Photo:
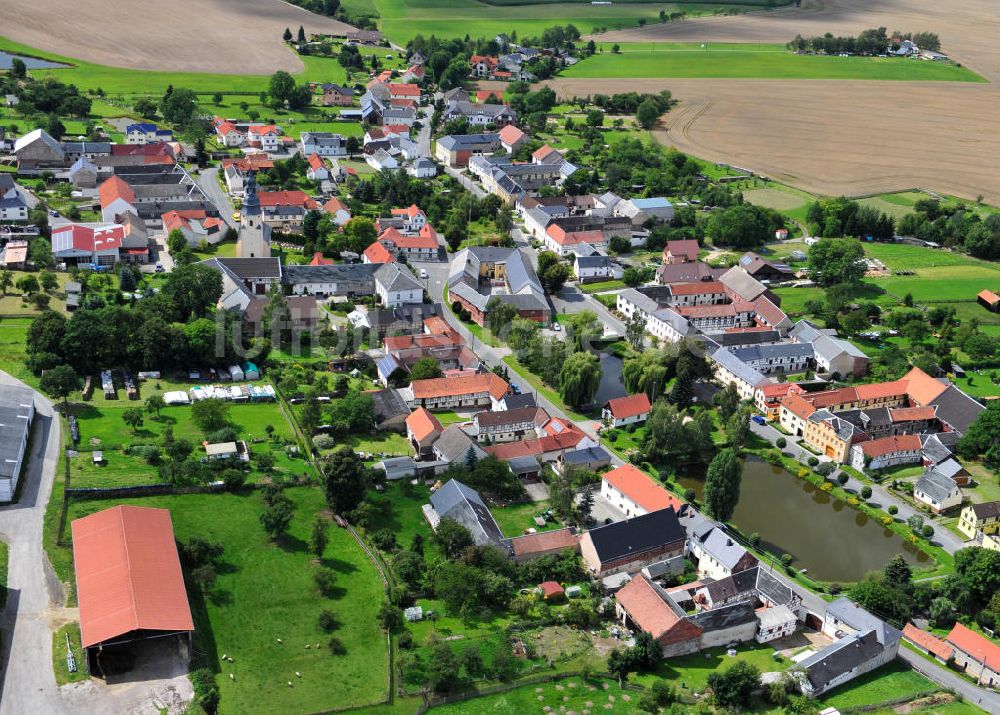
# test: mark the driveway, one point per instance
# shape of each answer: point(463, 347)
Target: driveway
point(467, 183)
point(208, 182)
point(34, 605)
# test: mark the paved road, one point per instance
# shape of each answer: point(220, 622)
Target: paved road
point(209, 183)
point(573, 300)
point(986, 699)
point(467, 183)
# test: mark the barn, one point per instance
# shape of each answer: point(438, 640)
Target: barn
point(133, 604)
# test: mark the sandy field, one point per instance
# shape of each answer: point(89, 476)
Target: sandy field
point(839, 137)
point(225, 36)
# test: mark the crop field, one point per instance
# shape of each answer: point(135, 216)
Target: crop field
point(264, 592)
point(766, 61)
point(401, 20)
point(228, 36)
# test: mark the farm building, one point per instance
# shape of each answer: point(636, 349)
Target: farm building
point(130, 588)
point(989, 300)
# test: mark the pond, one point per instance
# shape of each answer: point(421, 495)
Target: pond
point(32, 63)
point(834, 541)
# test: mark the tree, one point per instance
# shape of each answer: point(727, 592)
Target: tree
point(6, 281)
point(836, 261)
point(579, 379)
point(281, 87)
point(301, 37)
point(344, 480)
point(55, 127)
point(898, 572)
point(133, 417)
point(443, 669)
point(155, 403)
point(286, 35)
point(554, 277)
point(453, 538)
point(647, 113)
point(942, 612)
point(425, 369)
point(210, 415)
point(48, 280)
point(319, 537)
point(59, 382)
point(728, 401)
point(276, 517)
point(179, 107)
point(311, 415)
point(27, 284)
point(635, 331)
point(499, 315)
point(733, 687)
point(722, 485)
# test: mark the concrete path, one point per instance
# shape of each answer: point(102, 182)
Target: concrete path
point(208, 182)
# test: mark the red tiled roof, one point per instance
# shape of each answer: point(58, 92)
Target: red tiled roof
point(688, 248)
point(511, 134)
point(491, 61)
point(768, 313)
point(648, 610)
point(404, 90)
point(779, 389)
point(698, 288)
point(715, 311)
point(334, 205)
point(436, 325)
point(571, 238)
point(482, 95)
point(567, 439)
point(989, 296)
point(435, 387)
point(377, 253)
point(411, 211)
point(316, 161)
point(263, 129)
point(640, 488)
point(630, 406)
point(922, 388)
point(128, 574)
point(422, 424)
point(889, 445)
point(927, 641)
point(881, 390)
point(976, 646)
point(251, 161)
point(544, 541)
point(319, 260)
point(78, 237)
point(551, 589)
point(797, 405)
point(542, 152)
point(446, 339)
point(907, 414)
point(115, 188)
point(286, 198)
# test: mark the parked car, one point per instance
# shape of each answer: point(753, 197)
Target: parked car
point(423, 272)
point(759, 420)
point(159, 268)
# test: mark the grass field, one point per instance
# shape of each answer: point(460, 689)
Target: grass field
point(402, 19)
point(63, 676)
point(755, 61)
point(265, 591)
point(13, 336)
point(515, 520)
point(784, 199)
point(571, 694)
point(890, 681)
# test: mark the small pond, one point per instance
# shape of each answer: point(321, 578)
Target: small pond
point(824, 535)
point(32, 63)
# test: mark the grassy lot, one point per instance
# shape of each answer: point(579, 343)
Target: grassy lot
point(602, 286)
point(398, 509)
point(402, 19)
point(13, 337)
point(549, 394)
point(265, 591)
point(755, 61)
point(388, 443)
point(63, 676)
point(790, 202)
point(890, 681)
point(690, 672)
point(515, 520)
point(3, 573)
point(571, 694)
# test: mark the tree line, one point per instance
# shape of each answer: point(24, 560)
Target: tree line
point(873, 41)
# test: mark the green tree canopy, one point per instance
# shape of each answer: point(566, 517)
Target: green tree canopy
point(722, 485)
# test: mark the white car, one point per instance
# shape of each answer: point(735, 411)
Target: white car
point(423, 272)
point(556, 327)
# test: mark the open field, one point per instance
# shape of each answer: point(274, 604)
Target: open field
point(769, 61)
point(402, 19)
point(826, 137)
point(227, 36)
point(265, 591)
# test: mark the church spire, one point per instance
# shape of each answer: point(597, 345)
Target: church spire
point(251, 204)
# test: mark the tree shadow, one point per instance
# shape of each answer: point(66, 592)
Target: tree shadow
point(292, 544)
point(220, 597)
point(339, 566)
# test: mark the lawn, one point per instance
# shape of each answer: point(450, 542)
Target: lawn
point(264, 592)
point(398, 509)
point(571, 694)
point(602, 286)
point(515, 520)
point(755, 61)
point(790, 202)
point(690, 672)
point(13, 337)
point(59, 666)
point(889, 682)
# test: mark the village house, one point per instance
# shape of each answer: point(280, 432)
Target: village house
point(422, 246)
point(318, 169)
point(423, 429)
point(938, 491)
point(454, 445)
point(456, 392)
point(377, 253)
point(686, 272)
point(624, 411)
point(977, 518)
point(508, 425)
point(395, 285)
point(832, 354)
point(98, 244)
point(462, 504)
point(455, 150)
point(717, 554)
point(729, 370)
point(326, 144)
point(481, 273)
point(928, 643)
point(593, 268)
point(479, 115)
point(146, 132)
point(13, 206)
point(684, 251)
point(593, 459)
point(634, 493)
point(767, 397)
point(285, 210)
point(887, 452)
point(338, 211)
point(196, 226)
point(627, 546)
point(776, 359)
point(335, 95)
point(544, 543)
point(977, 656)
point(643, 211)
point(765, 270)
point(556, 437)
point(235, 170)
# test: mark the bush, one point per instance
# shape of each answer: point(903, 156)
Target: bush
point(234, 479)
point(842, 478)
point(326, 580)
point(780, 443)
point(893, 509)
point(206, 690)
point(754, 539)
point(825, 469)
point(866, 492)
point(328, 621)
point(324, 441)
point(335, 646)
point(689, 495)
point(812, 461)
point(927, 532)
point(226, 434)
point(834, 589)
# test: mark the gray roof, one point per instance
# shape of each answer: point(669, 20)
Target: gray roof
point(454, 444)
point(737, 367)
point(936, 485)
point(957, 409)
point(388, 404)
point(687, 272)
point(721, 546)
point(754, 353)
point(453, 142)
point(393, 277)
point(737, 338)
point(841, 657)
point(337, 272)
point(463, 504)
point(593, 261)
point(949, 468)
point(247, 267)
point(511, 401)
point(15, 409)
point(774, 590)
point(641, 300)
point(742, 283)
point(724, 617)
point(523, 465)
point(588, 455)
point(829, 347)
point(806, 332)
point(846, 611)
point(470, 109)
point(935, 450)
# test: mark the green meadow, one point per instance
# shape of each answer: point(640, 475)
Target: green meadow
point(755, 61)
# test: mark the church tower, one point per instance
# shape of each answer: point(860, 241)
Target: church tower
point(254, 238)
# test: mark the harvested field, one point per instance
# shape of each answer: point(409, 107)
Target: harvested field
point(838, 137)
point(221, 36)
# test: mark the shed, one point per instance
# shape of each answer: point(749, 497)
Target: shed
point(236, 373)
point(413, 613)
point(176, 397)
point(129, 586)
point(551, 590)
point(250, 371)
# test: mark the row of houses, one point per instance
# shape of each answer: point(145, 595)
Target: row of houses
point(479, 274)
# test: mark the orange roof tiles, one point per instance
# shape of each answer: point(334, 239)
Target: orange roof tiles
point(334, 205)
point(551, 589)
point(319, 260)
point(128, 574)
point(511, 134)
point(976, 646)
point(882, 390)
point(779, 389)
point(411, 211)
point(989, 296)
point(907, 414)
point(316, 161)
point(567, 439)
point(927, 641)
point(448, 339)
point(630, 406)
point(436, 387)
point(640, 488)
point(286, 198)
point(686, 248)
point(698, 288)
point(422, 424)
point(923, 389)
point(436, 325)
point(544, 541)
point(115, 188)
point(889, 445)
point(646, 607)
point(377, 253)
point(404, 90)
point(542, 152)
point(798, 405)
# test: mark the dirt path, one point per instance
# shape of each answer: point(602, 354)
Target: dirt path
point(225, 36)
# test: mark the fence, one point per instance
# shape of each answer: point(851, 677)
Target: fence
point(888, 703)
point(142, 490)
